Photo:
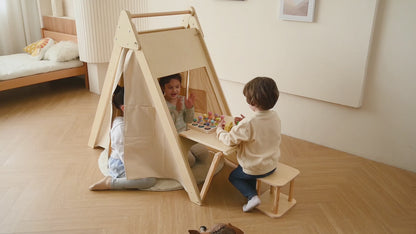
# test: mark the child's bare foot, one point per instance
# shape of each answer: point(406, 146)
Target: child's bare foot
point(103, 184)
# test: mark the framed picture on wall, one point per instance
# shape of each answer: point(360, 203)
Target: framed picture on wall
point(297, 10)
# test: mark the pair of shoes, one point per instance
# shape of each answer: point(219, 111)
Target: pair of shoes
point(251, 204)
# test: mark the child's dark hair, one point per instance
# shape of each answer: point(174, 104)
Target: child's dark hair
point(118, 97)
point(166, 79)
point(261, 92)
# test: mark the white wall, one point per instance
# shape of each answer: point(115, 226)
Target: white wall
point(384, 128)
point(324, 60)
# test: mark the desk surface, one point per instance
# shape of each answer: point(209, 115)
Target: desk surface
point(208, 139)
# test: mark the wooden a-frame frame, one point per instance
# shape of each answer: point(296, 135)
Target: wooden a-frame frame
point(154, 51)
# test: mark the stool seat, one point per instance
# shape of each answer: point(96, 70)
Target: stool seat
point(274, 203)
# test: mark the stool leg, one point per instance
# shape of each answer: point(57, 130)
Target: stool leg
point(276, 199)
point(291, 188)
point(258, 187)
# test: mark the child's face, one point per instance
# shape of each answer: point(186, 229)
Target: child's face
point(172, 90)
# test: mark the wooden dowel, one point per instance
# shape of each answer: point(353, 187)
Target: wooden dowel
point(159, 30)
point(155, 14)
point(276, 200)
point(258, 185)
point(291, 188)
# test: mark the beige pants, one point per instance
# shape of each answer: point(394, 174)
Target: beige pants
point(197, 152)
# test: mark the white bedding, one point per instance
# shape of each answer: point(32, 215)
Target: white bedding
point(18, 65)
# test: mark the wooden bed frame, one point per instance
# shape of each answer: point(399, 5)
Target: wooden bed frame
point(59, 29)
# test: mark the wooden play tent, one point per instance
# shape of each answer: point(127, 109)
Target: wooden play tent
point(153, 147)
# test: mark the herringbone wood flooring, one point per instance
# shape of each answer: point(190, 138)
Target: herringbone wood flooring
point(46, 168)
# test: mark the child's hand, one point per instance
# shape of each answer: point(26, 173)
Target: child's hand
point(238, 119)
point(220, 127)
point(221, 124)
point(179, 104)
point(189, 103)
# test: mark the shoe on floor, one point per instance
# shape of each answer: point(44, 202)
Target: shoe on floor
point(251, 204)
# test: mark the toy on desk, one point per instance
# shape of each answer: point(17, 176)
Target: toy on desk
point(206, 122)
point(228, 126)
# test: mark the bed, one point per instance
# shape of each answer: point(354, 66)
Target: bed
point(18, 70)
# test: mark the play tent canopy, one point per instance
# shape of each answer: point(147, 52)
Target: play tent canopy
point(153, 147)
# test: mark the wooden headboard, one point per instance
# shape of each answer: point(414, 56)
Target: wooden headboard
point(59, 29)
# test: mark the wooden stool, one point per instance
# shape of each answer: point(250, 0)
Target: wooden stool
point(274, 203)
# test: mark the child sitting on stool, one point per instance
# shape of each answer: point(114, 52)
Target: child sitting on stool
point(257, 137)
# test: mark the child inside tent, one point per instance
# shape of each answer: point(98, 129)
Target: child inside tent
point(117, 179)
point(182, 111)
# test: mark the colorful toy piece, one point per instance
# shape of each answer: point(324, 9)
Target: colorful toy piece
point(228, 126)
point(206, 123)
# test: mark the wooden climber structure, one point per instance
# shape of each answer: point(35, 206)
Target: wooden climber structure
point(153, 148)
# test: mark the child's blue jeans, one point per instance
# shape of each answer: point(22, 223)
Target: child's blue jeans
point(246, 183)
point(116, 168)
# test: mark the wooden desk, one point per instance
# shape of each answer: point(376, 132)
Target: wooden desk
point(210, 140)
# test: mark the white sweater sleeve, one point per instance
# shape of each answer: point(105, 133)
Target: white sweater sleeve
point(239, 133)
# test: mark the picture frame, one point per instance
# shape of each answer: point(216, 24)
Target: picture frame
point(297, 10)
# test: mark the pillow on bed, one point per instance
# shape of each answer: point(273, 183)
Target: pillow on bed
point(38, 49)
point(30, 48)
point(62, 51)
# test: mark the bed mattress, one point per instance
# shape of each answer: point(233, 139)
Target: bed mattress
point(18, 65)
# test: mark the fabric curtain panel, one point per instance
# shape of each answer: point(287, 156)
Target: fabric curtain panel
point(20, 25)
point(96, 22)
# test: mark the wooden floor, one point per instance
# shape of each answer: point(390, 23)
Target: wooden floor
point(46, 168)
